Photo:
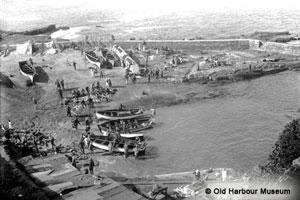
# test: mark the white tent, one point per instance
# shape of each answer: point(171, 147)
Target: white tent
point(25, 48)
point(50, 51)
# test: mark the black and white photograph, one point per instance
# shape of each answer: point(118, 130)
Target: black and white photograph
point(149, 100)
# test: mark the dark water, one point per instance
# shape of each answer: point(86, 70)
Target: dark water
point(236, 131)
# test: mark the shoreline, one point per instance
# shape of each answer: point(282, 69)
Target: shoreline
point(162, 92)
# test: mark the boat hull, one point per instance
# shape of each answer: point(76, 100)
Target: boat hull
point(27, 70)
point(93, 60)
point(102, 116)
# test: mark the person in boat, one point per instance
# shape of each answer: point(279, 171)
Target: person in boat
point(140, 111)
point(123, 125)
point(135, 123)
point(69, 111)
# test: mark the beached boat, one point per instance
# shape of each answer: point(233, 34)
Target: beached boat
point(106, 143)
point(142, 123)
point(115, 114)
point(93, 58)
point(27, 70)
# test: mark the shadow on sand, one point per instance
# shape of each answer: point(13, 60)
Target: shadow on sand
point(42, 76)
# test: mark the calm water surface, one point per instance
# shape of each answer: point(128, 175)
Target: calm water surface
point(236, 131)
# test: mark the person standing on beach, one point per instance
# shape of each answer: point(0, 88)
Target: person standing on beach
point(60, 92)
point(81, 144)
point(57, 84)
point(91, 166)
point(9, 125)
point(52, 141)
point(161, 73)
point(73, 160)
point(62, 84)
point(69, 111)
point(149, 77)
point(74, 65)
point(75, 123)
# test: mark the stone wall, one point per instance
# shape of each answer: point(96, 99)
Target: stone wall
point(234, 44)
point(228, 44)
point(280, 48)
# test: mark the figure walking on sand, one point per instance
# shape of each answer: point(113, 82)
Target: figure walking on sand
point(74, 65)
point(69, 111)
point(81, 145)
point(91, 166)
point(75, 123)
point(60, 92)
point(62, 84)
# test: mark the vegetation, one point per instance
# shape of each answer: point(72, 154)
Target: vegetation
point(286, 149)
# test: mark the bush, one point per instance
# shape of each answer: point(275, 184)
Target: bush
point(286, 149)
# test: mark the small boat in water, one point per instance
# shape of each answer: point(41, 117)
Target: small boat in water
point(93, 58)
point(127, 146)
point(126, 126)
point(27, 69)
point(115, 114)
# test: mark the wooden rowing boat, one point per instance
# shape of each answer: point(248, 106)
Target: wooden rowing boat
point(143, 123)
point(27, 70)
point(115, 114)
point(93, 58)
point(106, 143)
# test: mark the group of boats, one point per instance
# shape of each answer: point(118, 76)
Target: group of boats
point(120, 130)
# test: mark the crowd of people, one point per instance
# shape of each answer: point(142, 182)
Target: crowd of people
point(96, 90)
point(124, 126)
point(30, 139)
